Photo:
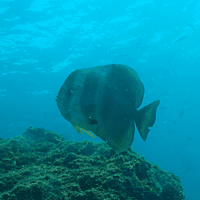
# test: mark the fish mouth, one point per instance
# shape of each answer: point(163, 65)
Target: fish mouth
point(57, 98)
point(65, 112)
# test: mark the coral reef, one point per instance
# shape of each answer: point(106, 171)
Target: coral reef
point(41, 165)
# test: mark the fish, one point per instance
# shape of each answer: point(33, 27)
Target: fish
point(103, 101)
point(182, 37)
point(191, 26)
point(182, 113)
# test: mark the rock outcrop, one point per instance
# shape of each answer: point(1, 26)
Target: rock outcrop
point(42, 165)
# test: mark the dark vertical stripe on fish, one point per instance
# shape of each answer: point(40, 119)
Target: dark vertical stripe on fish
point(90, 87)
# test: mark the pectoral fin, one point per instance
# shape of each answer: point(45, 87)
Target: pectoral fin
point(80, 130)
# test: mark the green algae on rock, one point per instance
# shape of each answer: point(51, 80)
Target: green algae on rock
point(41, 165)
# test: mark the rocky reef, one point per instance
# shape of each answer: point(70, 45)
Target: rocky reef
point(42, 165)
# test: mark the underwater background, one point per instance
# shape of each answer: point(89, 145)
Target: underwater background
point(43, 41)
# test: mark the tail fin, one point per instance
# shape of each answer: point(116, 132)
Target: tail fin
point(146, 118)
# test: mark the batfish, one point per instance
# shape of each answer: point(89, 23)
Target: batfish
point(104, 101)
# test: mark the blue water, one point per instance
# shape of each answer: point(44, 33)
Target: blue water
point(43, 41)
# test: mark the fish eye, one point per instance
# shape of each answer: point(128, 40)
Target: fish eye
point(70, 91)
